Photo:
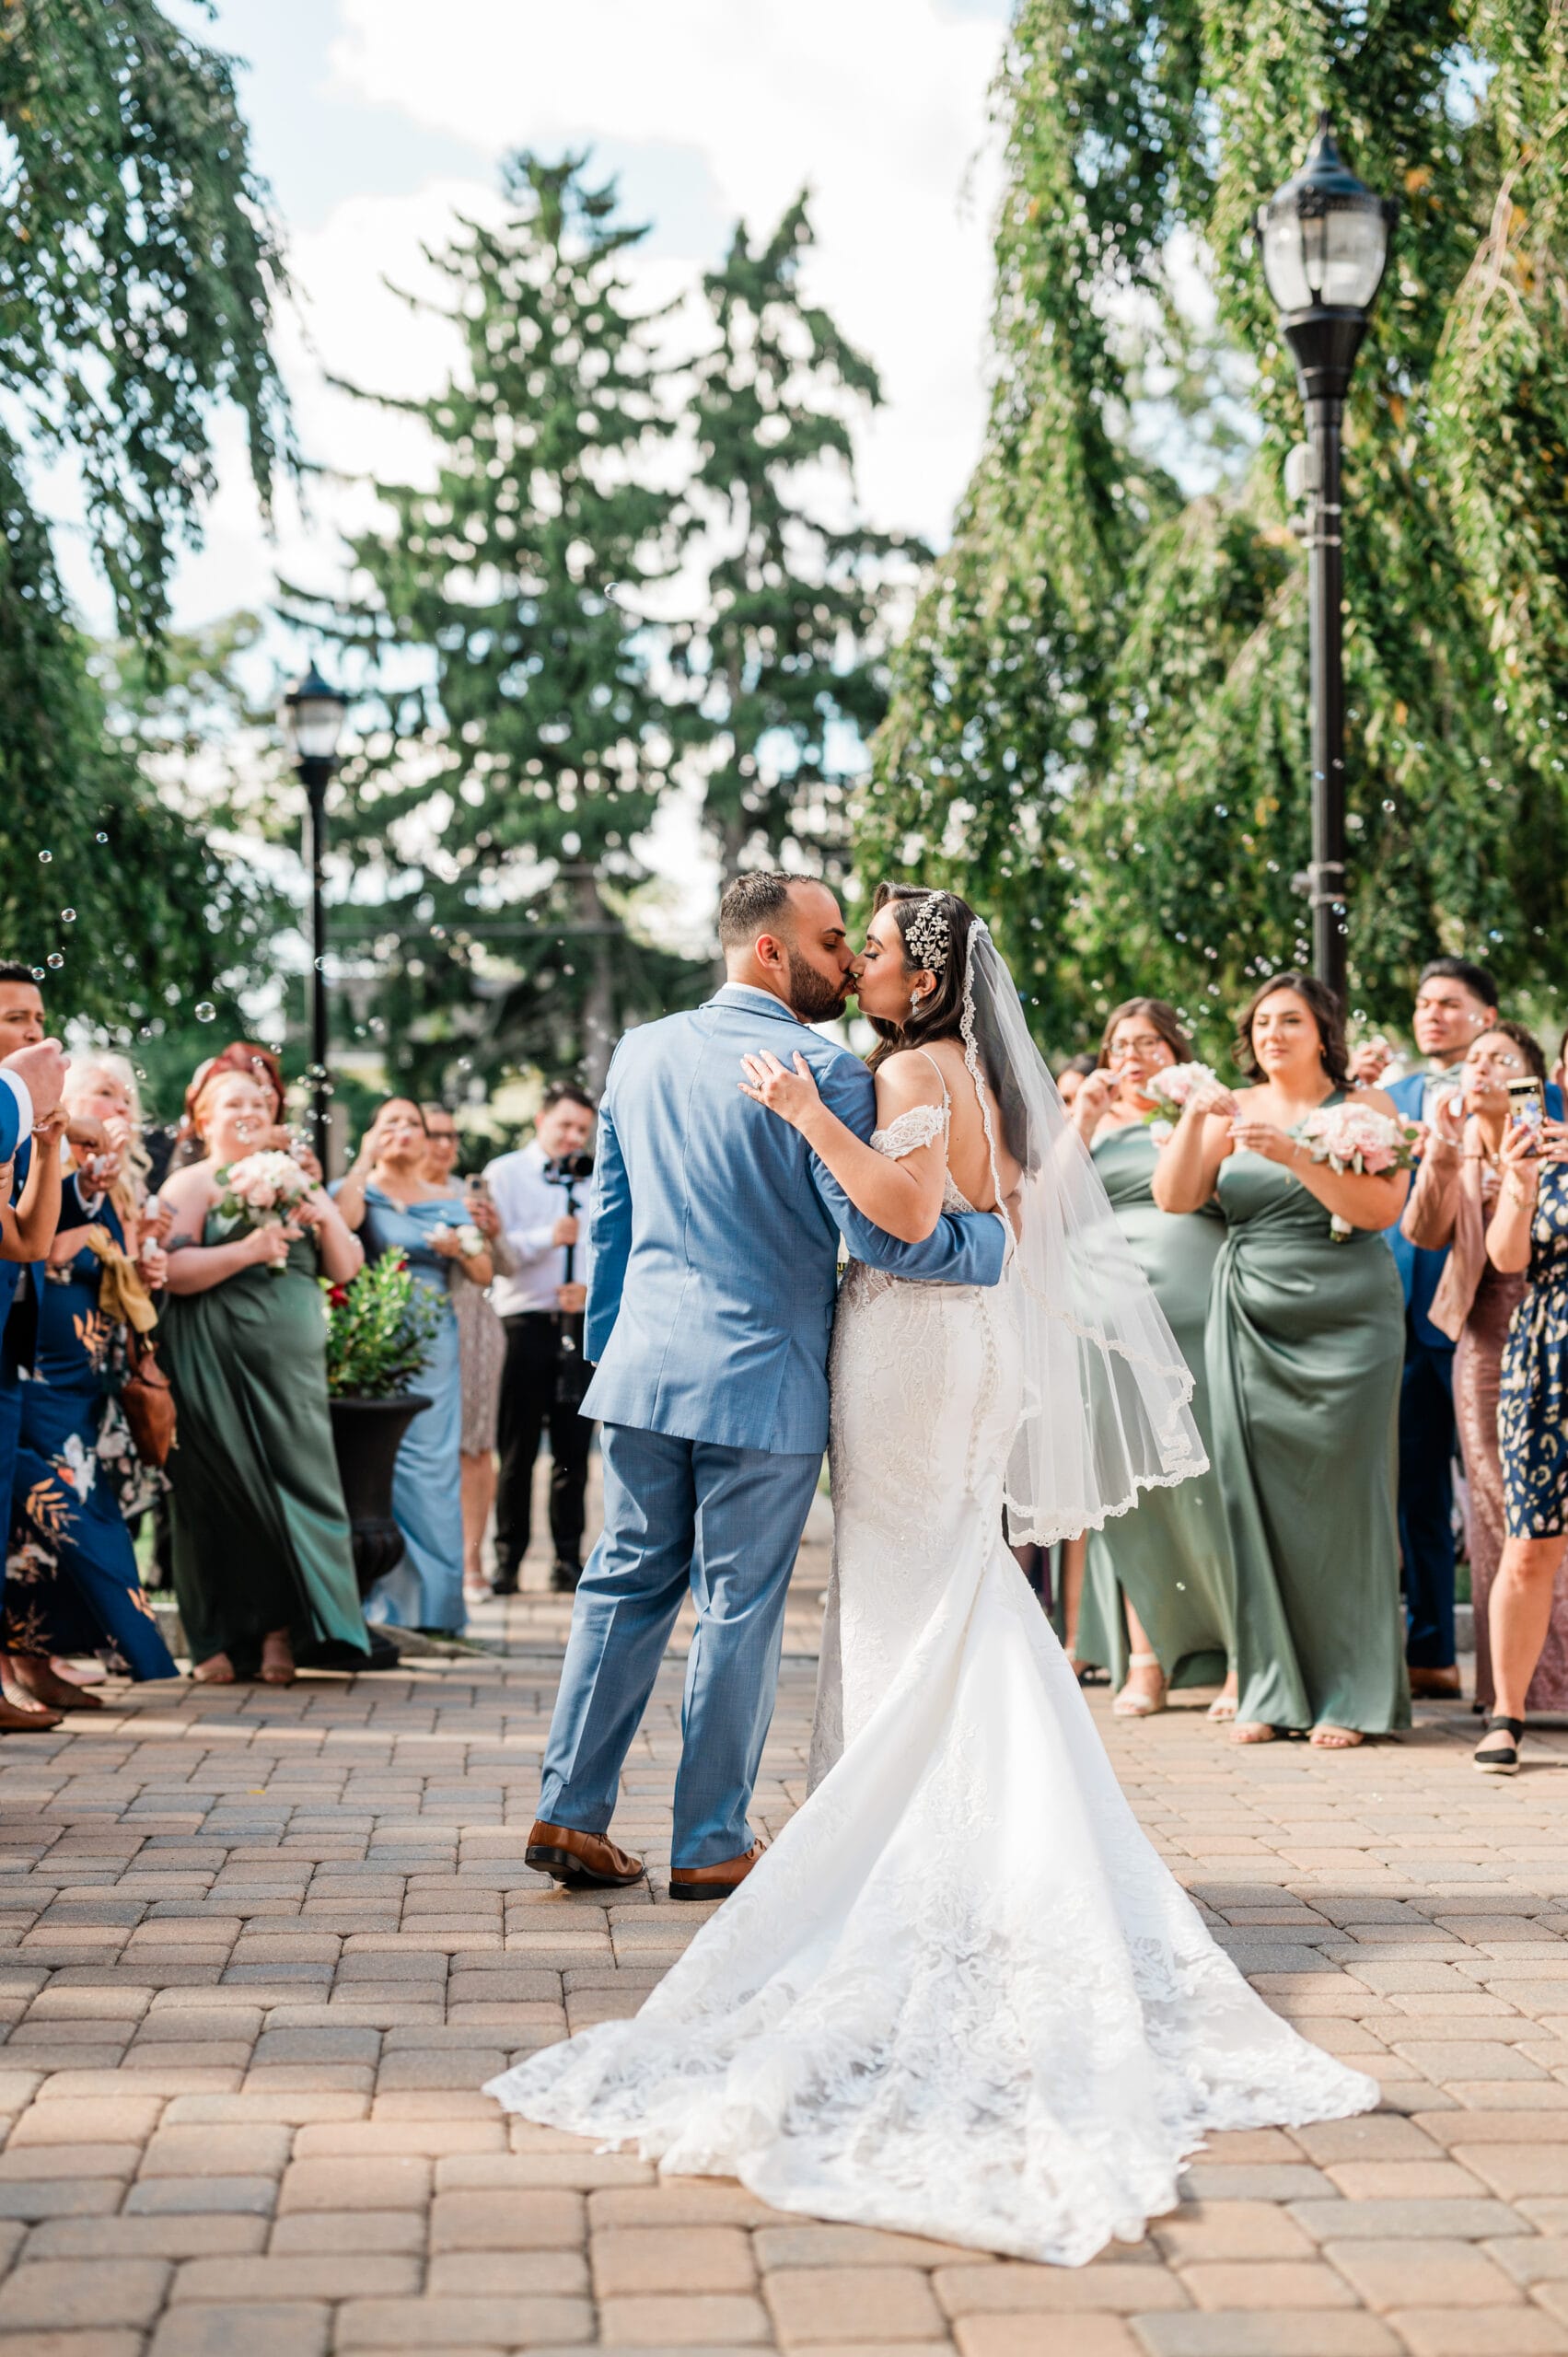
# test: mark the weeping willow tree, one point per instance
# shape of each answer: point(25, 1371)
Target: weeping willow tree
point(1099, 723)
point(139, 268)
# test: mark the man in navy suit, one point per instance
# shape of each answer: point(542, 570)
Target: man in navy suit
point(715, 1269)
point(1455, 1003)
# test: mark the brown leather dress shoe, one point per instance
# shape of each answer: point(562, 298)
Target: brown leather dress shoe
point(1435, 1684)
point(580, 1861)
point(713, 1882)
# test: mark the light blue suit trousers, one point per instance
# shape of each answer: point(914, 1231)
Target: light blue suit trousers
point(725, 1522)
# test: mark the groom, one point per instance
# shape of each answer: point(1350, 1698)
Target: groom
point(715, 1245)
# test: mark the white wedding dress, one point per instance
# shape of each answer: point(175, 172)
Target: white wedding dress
point(960, 1996)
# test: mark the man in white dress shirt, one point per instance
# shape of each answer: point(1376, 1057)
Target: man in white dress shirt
point(538, 1394)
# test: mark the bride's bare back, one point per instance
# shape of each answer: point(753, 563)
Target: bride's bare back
point(968, 1153)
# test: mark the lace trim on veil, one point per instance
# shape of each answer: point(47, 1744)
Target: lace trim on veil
point(1165, 1383)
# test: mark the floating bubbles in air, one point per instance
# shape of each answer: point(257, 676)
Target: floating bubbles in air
point(54, 959)
point(205, 1011)
point(44, 857)
point(101, 839)
point(38, 973)
point(68, 916)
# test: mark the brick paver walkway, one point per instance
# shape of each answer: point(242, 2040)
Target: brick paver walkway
point(261, 1949)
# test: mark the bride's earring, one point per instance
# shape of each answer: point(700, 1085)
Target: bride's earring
point(916, 1000)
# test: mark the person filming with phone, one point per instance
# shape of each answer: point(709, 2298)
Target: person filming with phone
point(1527, 1235)
point(542, 1194)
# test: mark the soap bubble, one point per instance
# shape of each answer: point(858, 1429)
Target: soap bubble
point(38, 973)
point(101, 839)
point(54, 959)
point(68, 916)
point(205, 1011)
point(44, 857)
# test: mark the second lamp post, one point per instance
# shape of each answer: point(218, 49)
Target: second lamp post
point(313, 715)
point(1325, 247)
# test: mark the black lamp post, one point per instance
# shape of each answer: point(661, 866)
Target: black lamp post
point(313, 715)
point(1325, 246)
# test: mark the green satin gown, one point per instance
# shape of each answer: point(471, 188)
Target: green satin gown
point(260, 1534)
point(1171, 1555)
point(1306, 1344)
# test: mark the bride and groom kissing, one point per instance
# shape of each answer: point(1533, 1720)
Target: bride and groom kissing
point(960, 1995)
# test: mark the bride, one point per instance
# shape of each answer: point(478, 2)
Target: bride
point(961, 1996)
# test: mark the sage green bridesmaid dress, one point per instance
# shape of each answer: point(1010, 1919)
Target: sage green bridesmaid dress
point(1305, 1345)
point(1171, 1555)
point(260, 1534)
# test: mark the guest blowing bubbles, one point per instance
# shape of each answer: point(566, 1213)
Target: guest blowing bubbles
point(1304, 1341)
point(262, 1549)
point(73, 1585)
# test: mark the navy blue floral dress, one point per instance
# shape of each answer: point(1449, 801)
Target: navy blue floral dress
point(1532, 1432)
point(72, 1584)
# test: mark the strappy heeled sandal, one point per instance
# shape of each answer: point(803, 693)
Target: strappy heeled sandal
point(1502, 1760)
point(1139, 1706)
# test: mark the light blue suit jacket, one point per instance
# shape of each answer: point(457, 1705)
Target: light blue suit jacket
point(715, 1235)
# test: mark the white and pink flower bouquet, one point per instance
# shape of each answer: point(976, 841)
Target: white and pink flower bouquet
point(261, 1190)
point(1170, 1089)
point(1358, 1139)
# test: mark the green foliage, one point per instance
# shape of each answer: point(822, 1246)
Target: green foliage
point(160, 919)
point(523, 576)
point(379, 1327)
point(1099, 721)
point(786, 660)
point(137, 269)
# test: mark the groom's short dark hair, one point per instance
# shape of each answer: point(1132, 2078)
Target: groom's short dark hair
point(752, 903)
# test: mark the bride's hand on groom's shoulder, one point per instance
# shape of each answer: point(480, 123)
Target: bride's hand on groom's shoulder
point(793, 1094)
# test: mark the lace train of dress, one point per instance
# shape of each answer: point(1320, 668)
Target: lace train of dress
point(961, 1996)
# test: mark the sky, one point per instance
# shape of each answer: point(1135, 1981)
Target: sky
point(376, 120)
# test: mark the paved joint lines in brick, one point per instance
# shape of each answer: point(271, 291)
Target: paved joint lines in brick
point(259, 1951)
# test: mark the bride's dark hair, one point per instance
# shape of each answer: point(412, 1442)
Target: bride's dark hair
point(940, 1016)
point(941, 1013)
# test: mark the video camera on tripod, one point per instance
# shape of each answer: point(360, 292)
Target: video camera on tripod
point(569, 1171)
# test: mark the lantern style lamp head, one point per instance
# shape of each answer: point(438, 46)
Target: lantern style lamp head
point(1325, 238)
point(313, 714)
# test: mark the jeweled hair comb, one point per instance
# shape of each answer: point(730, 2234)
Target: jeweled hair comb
point(926, 937)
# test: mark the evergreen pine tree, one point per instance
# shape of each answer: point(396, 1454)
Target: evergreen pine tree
point(1100, 723)
point(512, 784)
point(788, 659)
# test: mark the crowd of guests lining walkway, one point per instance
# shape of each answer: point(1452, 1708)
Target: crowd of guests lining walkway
point(1353, 1338)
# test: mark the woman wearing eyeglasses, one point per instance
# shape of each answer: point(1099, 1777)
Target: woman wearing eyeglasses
point(1158, 1585)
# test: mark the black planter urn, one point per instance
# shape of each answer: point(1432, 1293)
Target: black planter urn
point(367, 1434)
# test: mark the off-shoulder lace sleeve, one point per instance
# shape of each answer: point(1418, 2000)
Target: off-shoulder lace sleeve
point(906, 1134)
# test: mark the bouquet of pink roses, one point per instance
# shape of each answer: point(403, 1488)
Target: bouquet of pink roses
point(261, 1190)
point(1170, 1089)
point(1356, 1138)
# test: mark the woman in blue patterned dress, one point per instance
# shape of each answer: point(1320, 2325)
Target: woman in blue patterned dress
point(73, 1586)
point(1528, 1231)
point(395, 1208)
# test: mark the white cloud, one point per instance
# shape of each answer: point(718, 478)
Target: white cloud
point(881, 107)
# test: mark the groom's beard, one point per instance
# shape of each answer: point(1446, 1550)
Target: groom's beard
point(811, 996)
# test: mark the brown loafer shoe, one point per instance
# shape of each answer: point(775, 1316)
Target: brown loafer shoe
point(713, 1882)
point(580, 1861)
point(1435, 1684)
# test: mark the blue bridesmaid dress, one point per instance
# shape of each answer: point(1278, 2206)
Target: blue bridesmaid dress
point(425, 1590)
